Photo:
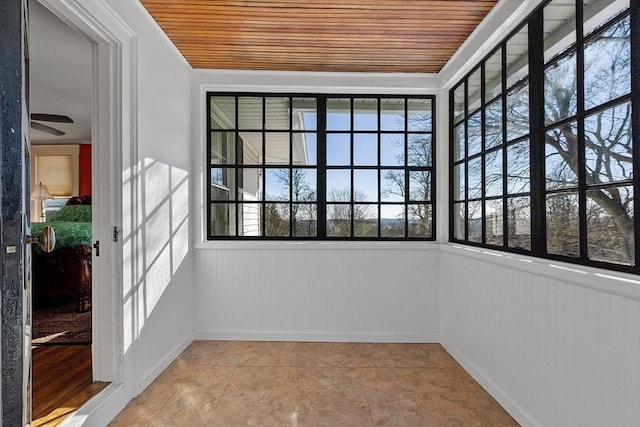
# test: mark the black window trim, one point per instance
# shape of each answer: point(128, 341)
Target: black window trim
point(538, 190)
point(321, 167)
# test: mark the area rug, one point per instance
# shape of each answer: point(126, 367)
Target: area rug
point(61, 325)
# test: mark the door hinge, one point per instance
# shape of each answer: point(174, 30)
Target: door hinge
point(116, 232)
point(96, 246)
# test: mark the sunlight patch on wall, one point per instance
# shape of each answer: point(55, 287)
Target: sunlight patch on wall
point(159, 237)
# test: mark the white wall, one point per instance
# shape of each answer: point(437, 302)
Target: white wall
point(146, 86)
point(317, 292)
point(555, 347)
point(159, 300)
point(555, 344)
point(311, 291)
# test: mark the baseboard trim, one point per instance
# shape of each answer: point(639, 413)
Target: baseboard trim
point(101, 409)
point(502, 397)
point(314, 336)
point(147, 378)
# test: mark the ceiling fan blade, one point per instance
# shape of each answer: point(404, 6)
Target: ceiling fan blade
point(46, 129)
point(51, 118)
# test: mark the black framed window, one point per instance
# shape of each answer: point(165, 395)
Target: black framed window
point(544, 137)
point(301, 166)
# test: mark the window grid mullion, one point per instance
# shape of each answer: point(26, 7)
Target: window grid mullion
point(536, 132)
point(321, 156)
point(582, 176)
point(635, 121)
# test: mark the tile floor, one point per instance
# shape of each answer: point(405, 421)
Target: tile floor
point(215, 383)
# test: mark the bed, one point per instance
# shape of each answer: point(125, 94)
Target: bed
point(65, 272)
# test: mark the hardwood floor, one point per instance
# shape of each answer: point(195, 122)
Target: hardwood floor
point(62, 382)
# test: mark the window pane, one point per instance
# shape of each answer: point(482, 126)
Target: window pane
point(276, 219)
point(474, 178)
point(339, 185)
point(458, 142)
point(305, 149)
point(339, 114)
point(459, 220)
point(493, 222)
point(365, 114)
point(305, 114)
point(419, 186)
point(338, 220)
point(392, 114)
point(598, 12)
point(610, 217)
point(474, 134)
point(518, 111)
point(493, 173)
point(393, 188)
point(559, 27)
point(608, 145)
point(519, 222)
point(518, 165)
point(250, 188)
point(607, 65)
point(392, 220)
point(563, 224)
point(222, 219)
point(365, 220)
point(277, 113)
point(223, 178)
point(305, 219)
point(365, 149)
point(250, 113)
point(392, 150)
point(560, 91)
point(277, 148)
point(223, 112)
point(419, 150)
point(250, 148)
point(458, 103)
point(303, 185)
point(277, 184)
point(365, 185)
point(473, 91)
point(338, 149)
point(474, 221)
point(493, 76)
point(420, 111)
point(518, 57)
point(249, 215)
point(459, 183)
point(493, 124)
point(223, 148)
point(561, 157)
point(219, 193)
point(419, 220)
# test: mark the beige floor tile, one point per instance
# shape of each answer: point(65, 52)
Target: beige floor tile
point(346, 407)
point(220, 384)
point(265, 408)
point(253, 378)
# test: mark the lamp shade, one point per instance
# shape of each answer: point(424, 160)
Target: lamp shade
point(41, 192)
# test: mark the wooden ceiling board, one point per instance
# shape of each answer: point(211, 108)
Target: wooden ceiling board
point(410, 36)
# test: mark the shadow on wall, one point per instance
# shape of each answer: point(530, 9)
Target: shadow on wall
point(159, 240)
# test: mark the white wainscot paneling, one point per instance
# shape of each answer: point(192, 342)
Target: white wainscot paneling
point(317, 292)
point(553, 352)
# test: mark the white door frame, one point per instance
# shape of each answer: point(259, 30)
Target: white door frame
point(112, 147)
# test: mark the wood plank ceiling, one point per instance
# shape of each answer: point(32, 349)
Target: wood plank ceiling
point(409, 36)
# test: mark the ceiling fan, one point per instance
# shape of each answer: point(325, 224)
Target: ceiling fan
point(54, 118)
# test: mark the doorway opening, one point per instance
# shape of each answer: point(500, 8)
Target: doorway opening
point(63, 155)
